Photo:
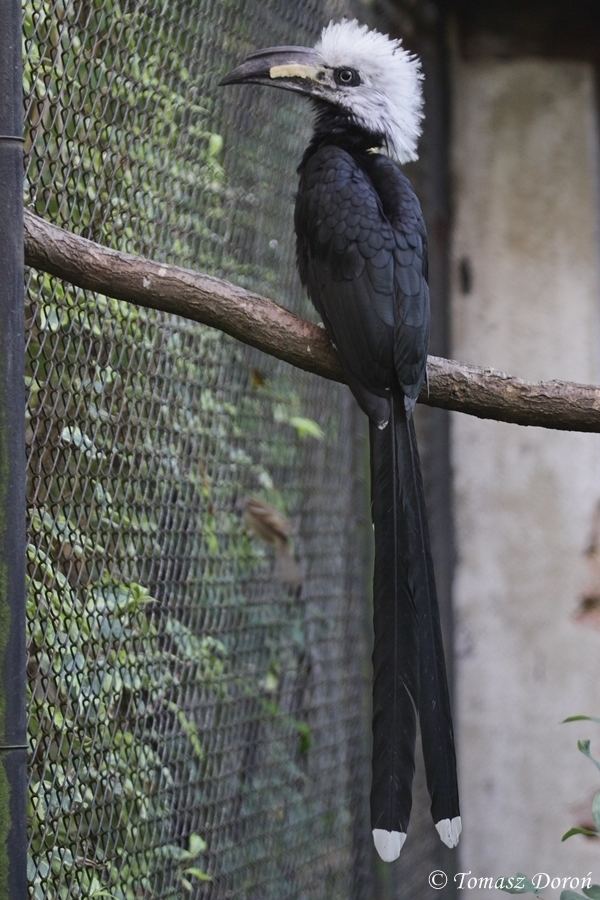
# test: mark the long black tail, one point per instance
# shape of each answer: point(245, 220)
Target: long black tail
point(408, 656)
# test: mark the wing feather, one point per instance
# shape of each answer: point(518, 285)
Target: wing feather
point(362, 255)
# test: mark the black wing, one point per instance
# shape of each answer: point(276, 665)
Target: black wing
point(362, 255)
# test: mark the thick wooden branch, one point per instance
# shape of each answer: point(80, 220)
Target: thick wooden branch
point(264, 324)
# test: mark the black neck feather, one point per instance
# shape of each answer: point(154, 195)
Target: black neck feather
point(333, 125)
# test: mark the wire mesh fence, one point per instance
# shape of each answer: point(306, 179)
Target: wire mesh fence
point(199, 682)
point(197, 722)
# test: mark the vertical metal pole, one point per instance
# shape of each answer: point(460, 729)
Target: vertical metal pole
point(13, 837)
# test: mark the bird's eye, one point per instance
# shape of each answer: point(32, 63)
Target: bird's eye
point(346, 77)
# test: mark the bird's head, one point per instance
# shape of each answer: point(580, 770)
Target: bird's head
point(366, 75)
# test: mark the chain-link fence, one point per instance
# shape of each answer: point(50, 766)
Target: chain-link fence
point(199, 720)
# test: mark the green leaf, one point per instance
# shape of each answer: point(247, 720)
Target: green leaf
point(174, 852)
point(593, 892)
point(584, 747)
point(198, 873)
point(188, 727)
point(197, 844)
point(307, 427)
point(304, 736)
point(270, 682)
point(596, 810)
point(215, 145)
point(522, 885)
point(580, 718)
point(71, 434)
point(587, 832)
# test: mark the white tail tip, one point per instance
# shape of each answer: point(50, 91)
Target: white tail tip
point(449, 830)
point(388, 843)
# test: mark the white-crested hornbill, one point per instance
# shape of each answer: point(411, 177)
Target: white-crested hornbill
point(362, 255)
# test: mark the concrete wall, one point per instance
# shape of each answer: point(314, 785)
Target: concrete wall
point(526, 237)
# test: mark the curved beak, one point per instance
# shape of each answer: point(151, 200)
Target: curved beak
point(299, 69)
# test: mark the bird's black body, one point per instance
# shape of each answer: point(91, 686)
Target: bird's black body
point(362, 254)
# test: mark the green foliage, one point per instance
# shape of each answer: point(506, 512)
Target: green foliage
point(584, 747)
point(519, 884)
point(306, 427)
point(589, 893)
point(581, 718)
point(92, 70)
point(138, 455)
point(188, 874)
point(97, 696)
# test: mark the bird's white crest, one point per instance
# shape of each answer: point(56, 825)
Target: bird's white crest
point(389, 99)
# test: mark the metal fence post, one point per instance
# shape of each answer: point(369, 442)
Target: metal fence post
point(13, 839)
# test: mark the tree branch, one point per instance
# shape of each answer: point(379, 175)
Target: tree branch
point(264, 324)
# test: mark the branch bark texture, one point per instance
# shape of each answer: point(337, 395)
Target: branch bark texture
point(260, 322)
